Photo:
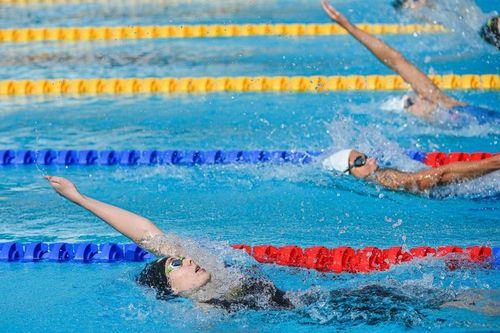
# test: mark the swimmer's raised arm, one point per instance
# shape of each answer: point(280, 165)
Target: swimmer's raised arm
point(426, 179)
point(422, 85)
point(131, 225)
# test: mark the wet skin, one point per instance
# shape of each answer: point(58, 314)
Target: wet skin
point(418, 106)
point(188, 276)
point(414, 4)
point(363, 171)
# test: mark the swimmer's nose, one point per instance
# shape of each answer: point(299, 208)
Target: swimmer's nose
point(372, 161)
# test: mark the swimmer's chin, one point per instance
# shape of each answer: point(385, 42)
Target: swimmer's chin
point(373, 174)
point(191, 293)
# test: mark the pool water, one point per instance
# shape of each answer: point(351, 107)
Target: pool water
point(252, 204)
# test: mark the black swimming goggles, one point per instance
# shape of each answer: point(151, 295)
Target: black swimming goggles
point(358, 163)
point(409, 101)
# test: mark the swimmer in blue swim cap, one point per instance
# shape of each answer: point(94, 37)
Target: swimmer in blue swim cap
point(357, 164)
point(427, 101)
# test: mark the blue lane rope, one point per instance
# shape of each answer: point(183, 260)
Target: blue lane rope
point(162, 157)
point(99, 253)
point(66, 252)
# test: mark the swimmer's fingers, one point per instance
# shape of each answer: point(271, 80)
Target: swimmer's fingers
point(64, 188)
point(54, 180)
point(332, 12)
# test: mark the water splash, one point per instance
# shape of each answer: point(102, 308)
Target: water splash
point(393, 104)
point(463, 17)
point(485, 187)
point(212, 256)
point(345, 132)
point(412, 295)
point(443, 121)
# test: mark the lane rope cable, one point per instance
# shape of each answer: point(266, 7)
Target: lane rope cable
point(299, 84)
point(74, 34)
point(336, 260)
point(197, 157)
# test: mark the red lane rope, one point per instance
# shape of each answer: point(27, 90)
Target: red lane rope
point(347, 259)
point(436, 159)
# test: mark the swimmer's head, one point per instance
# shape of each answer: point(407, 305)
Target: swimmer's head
point(169, 276)
point(408, 4)
point(350, 161)
point(338, 161)
point(490, 31)
point(418, 105)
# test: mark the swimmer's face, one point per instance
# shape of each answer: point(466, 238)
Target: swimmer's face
point(364, 171)
point(188, 276)
point(417, 105)
point(414, 4)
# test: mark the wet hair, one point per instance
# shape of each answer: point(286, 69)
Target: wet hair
point(489, 32)
point(153, 276)
point(398, 4)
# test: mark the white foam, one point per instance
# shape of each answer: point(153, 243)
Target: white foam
point(210, 256)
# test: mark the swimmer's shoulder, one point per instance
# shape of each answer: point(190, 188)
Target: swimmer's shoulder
point(396, 179)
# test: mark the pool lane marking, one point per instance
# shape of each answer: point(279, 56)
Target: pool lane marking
point(75, 34)
point(199, 157)
point(183, 85)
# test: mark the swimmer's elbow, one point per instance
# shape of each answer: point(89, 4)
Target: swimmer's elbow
point(152, 232)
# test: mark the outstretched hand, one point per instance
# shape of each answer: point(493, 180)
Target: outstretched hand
point(64, 188)
point(334, 13)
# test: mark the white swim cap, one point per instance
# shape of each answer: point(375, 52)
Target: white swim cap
point(338, 161)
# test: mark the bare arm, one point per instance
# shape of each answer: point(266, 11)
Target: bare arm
point(425, 179)
point(422, 85)
point(135, 227)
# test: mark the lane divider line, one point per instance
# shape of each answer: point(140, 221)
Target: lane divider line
point(182, 85)
point(75, 34)
point(343, 259)
point(196, 157)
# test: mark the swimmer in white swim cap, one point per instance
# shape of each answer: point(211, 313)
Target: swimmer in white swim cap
point(353, 162)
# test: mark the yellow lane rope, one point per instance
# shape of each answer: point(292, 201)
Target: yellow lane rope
point(201, 31)
point(170, 85)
